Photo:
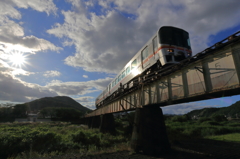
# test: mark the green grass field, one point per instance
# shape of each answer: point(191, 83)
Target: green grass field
point(53, 137)
point(235, 137)
point(56, 138)
point(181, 127)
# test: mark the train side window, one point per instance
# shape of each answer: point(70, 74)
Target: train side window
point(127, 70)
point(123, 74)
point(113, 84)
point(144, 53)
point(134, 64)
point(116, 81)
point(155, 47)
point(119, 78)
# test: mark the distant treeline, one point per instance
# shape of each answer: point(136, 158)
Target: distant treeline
point(61, 113)
point(8, 113)
point(232, 111)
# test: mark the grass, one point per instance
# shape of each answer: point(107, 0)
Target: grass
point(181, 127)
point(22, 140)
point(92, 151)
point(234, 137)
point(32, 140)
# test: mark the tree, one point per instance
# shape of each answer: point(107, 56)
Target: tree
point(219, 118)
point(48, 111)
point(62, 113)
point(20, 110)
point(7, 105)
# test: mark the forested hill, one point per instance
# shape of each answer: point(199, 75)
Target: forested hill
point(230, 111)
point(57, 102)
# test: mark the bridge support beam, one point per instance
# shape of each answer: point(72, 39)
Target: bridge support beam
point(107, 124)
point(149, 132)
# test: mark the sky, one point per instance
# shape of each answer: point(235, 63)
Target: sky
point(76, 47)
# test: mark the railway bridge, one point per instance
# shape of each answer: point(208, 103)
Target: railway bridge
point(212, 73)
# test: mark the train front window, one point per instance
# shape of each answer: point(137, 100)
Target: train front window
point(174, 36)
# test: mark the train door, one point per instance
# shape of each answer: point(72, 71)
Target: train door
point(155, 48)
point(109, 88)
point(145, 54)
point(151, 59)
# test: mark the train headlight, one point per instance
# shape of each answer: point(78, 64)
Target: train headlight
point(170, 50)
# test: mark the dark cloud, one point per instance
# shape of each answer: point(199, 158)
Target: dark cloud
point(13, 89)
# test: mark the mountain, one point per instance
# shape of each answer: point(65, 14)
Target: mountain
point(58, 101)
point(230, 111)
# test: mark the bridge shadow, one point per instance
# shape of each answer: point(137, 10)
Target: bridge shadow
point(204, 148)
point(196, 148)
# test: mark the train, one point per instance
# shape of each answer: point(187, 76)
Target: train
point(169, 45)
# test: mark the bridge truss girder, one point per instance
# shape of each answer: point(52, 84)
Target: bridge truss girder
point(215, 75)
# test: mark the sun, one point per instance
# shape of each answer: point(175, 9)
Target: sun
point(17, 59)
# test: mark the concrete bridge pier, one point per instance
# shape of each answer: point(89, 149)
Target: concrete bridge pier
point(96, 121)
point(89, 122)
point(149, 133)
point(107, 124)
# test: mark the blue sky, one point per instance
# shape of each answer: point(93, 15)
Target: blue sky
point(75, 47)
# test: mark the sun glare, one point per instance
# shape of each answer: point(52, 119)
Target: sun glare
point(17, 59)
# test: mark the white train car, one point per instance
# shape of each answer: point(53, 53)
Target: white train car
point(169, 45)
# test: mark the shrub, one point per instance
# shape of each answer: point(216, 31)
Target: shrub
point(193, 132)
point(210, 123)
point(219, 118)
point(203, 119)
point(222, 130)
point(208, 131)
point(86, 138)
point(182, 118)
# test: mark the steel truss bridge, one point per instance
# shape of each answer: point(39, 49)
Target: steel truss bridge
point(212, 73)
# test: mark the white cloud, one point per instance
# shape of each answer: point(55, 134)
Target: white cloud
point(12, 33)
point(51, 73)
point(85, 76)
point(39, 5)
point(87, 101)
point(105, 42)
point(19, 71)
point(78, 88)
point(84, 99)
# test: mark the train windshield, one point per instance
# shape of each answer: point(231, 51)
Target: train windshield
point(174, 36)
